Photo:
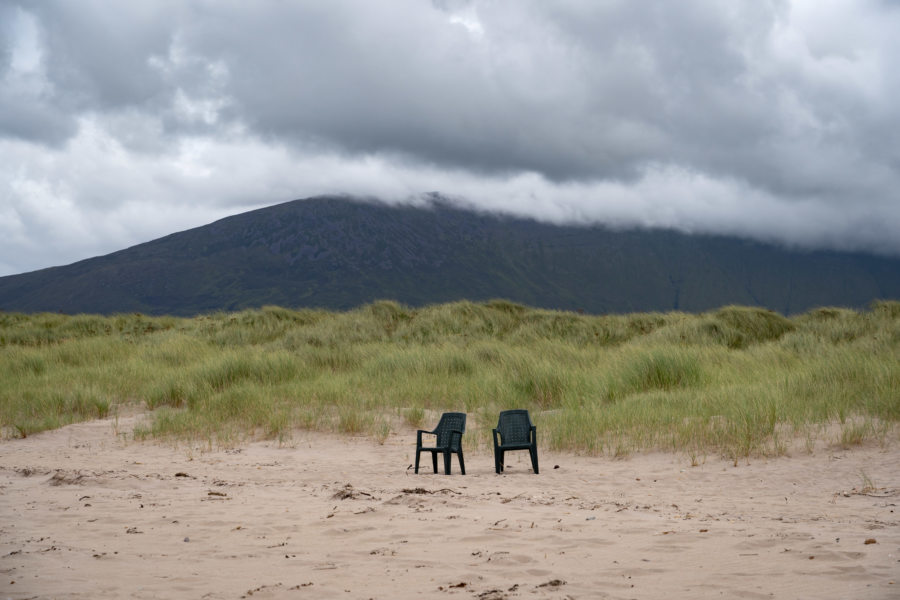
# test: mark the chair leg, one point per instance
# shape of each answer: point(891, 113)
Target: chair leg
point(446, 463)
point(501, 460)
point(434, 461)
point(534, 460)
point(418, 454)
point(462, 463)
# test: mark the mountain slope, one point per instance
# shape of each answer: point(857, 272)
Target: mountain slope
point(338, 253)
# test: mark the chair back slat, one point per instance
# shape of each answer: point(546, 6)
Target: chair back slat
point(450, 422)
point(514, 426)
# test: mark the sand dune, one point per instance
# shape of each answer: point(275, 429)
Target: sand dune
point(84, 514)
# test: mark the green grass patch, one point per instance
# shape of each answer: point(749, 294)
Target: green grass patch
point(737, 382)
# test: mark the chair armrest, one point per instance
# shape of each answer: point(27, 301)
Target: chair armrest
point(419, 436)
point(494, 434)
point(533, 434)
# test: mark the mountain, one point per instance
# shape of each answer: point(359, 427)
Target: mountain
point(338, 253)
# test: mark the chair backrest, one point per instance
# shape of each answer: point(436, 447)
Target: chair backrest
point(514, 426)
point(449, 422)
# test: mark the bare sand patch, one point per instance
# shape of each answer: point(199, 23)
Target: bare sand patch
point(84, 514)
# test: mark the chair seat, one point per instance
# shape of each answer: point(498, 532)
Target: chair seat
point(517, 446)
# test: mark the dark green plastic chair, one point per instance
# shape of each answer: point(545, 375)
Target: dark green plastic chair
point(448, 433)
point(514, 431)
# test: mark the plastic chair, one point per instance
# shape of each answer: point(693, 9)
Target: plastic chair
point(449, 432)
point(514, 431)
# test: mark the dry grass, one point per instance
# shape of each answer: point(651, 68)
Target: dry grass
point(737, 381)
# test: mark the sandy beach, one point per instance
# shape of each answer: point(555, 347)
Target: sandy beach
point(85, 513)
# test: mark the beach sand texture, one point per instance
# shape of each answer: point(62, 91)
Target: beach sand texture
point(84, 514)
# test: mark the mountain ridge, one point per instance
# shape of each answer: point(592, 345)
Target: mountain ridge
point(338, 253)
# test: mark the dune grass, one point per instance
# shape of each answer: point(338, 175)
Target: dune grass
point(738, 381)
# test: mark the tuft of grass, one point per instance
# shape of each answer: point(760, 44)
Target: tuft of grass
point(353, 421)
point(175, 391)
point(382, 430)
point(868, 484)
point(414, 417)
point(854, 433)
point(657, 370)
point(756, 324)
point(538, 384)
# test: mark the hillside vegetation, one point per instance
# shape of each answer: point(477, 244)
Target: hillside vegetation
point(340, 253)
point(737, 381)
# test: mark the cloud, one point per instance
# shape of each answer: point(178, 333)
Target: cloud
point(768, 119)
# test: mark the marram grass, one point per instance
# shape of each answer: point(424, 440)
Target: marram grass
point(738, 381)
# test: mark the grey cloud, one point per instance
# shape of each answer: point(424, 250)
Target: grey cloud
point(98, 54)
point(785, 109)
point(28, 116)
point(27, 110)
point(120, 60)
point(571, 90)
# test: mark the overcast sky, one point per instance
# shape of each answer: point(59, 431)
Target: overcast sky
point(121, 122)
